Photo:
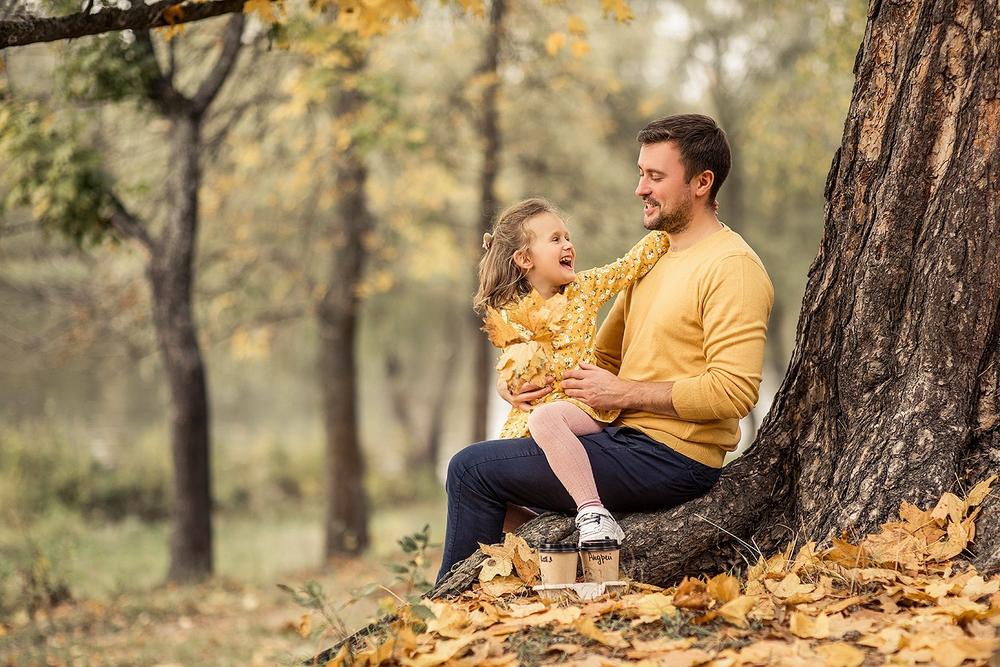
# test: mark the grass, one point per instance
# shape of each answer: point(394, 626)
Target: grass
point(121, 614)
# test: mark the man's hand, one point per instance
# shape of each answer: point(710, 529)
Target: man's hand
point(598, 388)
point(523, 398)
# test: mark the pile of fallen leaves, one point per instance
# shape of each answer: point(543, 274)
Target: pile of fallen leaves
point(897, 597)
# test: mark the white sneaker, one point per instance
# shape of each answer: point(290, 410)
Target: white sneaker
point(596, 523)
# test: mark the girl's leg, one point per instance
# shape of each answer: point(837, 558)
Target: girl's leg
point(554, 426)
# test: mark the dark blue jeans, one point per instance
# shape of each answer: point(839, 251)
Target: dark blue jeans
point(634, 473)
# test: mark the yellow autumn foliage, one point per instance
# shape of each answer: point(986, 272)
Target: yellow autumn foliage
point(834, 608)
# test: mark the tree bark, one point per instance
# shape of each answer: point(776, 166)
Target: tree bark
point(171, 276)
point(346, 522)
point(170, 271)
point(24, 29)
point(435, 426)
point(490, 128)
point(892, 390)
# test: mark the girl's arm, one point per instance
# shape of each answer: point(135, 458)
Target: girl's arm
point(610, 279)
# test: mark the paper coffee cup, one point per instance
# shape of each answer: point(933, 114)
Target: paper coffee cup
point(557, 562)
point(600, 560)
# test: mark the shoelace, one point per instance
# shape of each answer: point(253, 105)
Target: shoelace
point(588, 519)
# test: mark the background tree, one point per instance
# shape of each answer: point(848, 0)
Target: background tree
point(89, 208)
point(338, 315)
point(891, 394)
point(490, 137)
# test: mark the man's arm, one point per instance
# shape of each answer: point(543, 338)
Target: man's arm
point(603, 390)
point(734, 318)
point(735, 322)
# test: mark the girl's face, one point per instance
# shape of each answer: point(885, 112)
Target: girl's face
point(550, 258)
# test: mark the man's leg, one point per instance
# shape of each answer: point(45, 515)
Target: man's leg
point(482, 479)
point(633, 472)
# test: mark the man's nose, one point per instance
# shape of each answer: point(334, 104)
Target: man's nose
point(643, 188)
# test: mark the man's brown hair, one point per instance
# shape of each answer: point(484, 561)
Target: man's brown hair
point(702, 144)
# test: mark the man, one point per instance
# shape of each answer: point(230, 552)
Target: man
point(680, 355)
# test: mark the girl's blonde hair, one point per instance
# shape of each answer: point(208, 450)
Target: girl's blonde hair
point(501, 280)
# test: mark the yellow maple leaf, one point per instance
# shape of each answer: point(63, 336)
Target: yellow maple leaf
point(979, 492)
point(495, 567)
point(690, 594)
point(173, 14)
point(958, 539)
point(788, 587)
point(304, 626)
point(735, 611)
point(839, 654)
point(474, 7)
point(523, 363)
point(500, 332)
point(579, 48)
point(808, 627)
point(620, 8)
point(501, 586)
point(576, 26)
point(554, 42)
point(587, 628)
point(949, 506)
point(723, 587)
point(953, 652)
point(264, 9)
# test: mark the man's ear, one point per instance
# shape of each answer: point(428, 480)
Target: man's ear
point(523, 259)
point(703, 183)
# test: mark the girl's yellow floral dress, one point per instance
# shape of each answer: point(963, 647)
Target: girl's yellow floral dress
point(542, 338)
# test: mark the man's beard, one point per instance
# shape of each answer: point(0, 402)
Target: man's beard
point(675, 221)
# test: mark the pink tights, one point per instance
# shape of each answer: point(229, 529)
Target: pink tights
point(554, 426)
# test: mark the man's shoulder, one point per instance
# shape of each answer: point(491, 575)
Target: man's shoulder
point(731, 250)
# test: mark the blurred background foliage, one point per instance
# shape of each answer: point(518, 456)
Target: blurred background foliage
point(83, 434)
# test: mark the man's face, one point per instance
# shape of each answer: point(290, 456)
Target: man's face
point(666, 194)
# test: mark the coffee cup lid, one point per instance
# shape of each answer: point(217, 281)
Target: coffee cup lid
point(599, 545)
point(556, 547)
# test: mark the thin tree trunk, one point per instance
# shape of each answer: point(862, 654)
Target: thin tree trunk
point(171, 277)
point(400, 404)
point(892, 390)
point(435, 427)
point(346, 522)
point(483, 361)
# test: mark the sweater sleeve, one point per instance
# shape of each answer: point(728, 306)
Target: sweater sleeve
point(605, 281)
point(735, 309)
point(608, 342)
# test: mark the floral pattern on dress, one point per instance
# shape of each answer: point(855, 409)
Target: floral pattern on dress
point(541, 338)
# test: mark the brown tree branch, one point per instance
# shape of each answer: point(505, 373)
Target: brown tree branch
point(231, 43)
point(30, 30)
point(129, 226)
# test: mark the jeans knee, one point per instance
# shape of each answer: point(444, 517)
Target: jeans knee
point(457, 467)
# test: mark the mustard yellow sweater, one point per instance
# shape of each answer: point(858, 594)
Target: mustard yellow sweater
point(698, 319)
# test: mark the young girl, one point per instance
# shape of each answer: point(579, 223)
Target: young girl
point(543, 316)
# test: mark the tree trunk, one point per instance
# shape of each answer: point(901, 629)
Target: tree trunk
point(892, 391)
point(346, 523)
point(171, 276)
point(435, 426)
point(483, 362)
